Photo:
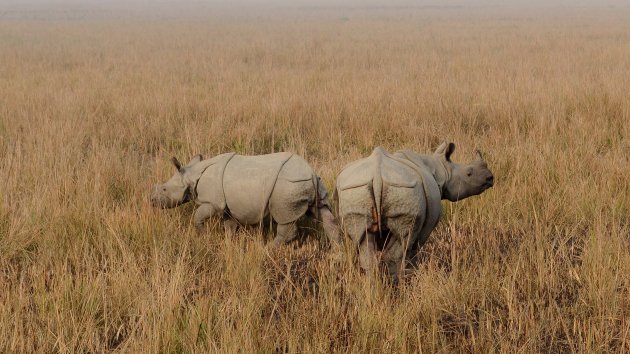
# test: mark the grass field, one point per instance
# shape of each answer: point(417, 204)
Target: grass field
point(94, 102)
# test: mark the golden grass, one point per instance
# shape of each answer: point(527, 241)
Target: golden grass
point(91, 111)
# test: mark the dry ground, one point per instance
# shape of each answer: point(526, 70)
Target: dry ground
point(93, 105)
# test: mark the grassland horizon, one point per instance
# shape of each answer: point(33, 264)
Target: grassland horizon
point(94, 101)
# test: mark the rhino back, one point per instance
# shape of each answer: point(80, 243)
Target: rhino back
point(247, 184)
point(356, 174)
point(397, 174)
point(363, 171)
point(296, 169)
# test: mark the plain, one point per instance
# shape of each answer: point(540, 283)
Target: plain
point(93, 105)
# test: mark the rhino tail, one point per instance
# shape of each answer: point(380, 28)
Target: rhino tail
point(335, 198)
point(318, 197)
point(377, 196)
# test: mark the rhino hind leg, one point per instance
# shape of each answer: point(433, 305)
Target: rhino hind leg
point(368, 260)
point(230, 226)
point(330, 226)
point(204, 212)
point(393, 256)
point(290, 200)
point(285, 233)
point(403, 231)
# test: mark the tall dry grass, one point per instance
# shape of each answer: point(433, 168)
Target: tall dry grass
point(91, 111)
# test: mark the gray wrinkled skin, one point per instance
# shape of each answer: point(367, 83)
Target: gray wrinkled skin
point(245, 190)
point(391, 202)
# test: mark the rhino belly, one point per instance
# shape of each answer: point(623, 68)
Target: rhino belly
point(247, 193)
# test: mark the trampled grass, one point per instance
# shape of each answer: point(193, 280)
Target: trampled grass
point(91, 110)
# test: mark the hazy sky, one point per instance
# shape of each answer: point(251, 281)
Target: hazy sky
point(156, 9)
point(293, 3)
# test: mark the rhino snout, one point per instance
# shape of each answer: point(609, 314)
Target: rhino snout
point(489, 181)
point(157, 198)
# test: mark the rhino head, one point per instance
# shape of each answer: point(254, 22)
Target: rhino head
point(177, 190)
point(462, 180)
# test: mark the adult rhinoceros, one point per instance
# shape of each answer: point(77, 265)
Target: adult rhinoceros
point(246, 189)
point(391, 202)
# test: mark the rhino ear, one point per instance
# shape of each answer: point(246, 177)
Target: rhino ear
point(445, 149)
point(440, 150)
point(195, 159)
point(177, 164)
point(478, 155)
point(449, 151)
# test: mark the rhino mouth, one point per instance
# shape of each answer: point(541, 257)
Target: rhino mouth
point(159, 200)
point(160, 203)
point(489, 182)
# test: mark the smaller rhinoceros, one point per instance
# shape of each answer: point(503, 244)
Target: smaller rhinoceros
point(244, 190)
point(391, 202)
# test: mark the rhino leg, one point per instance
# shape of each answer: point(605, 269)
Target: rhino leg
point(203, 213)
point(284, 234)
point(393, 255)
point(331, 228)
point(367, 253)
point(403, 231)
point(230, 226)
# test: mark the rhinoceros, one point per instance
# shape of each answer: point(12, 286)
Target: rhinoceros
point(245, 190)
point(390, 203)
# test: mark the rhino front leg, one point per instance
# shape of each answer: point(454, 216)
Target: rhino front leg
point(203, 213)
point(331, 228)
point(284, 234)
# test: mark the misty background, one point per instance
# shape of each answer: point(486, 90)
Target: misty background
point(77, 10)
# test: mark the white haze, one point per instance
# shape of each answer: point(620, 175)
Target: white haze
point(299, 10)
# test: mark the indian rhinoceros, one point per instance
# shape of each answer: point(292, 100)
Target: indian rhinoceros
point(244, 190)
point(390, 203)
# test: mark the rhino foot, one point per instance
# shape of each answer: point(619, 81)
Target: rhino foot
point(285, 233)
